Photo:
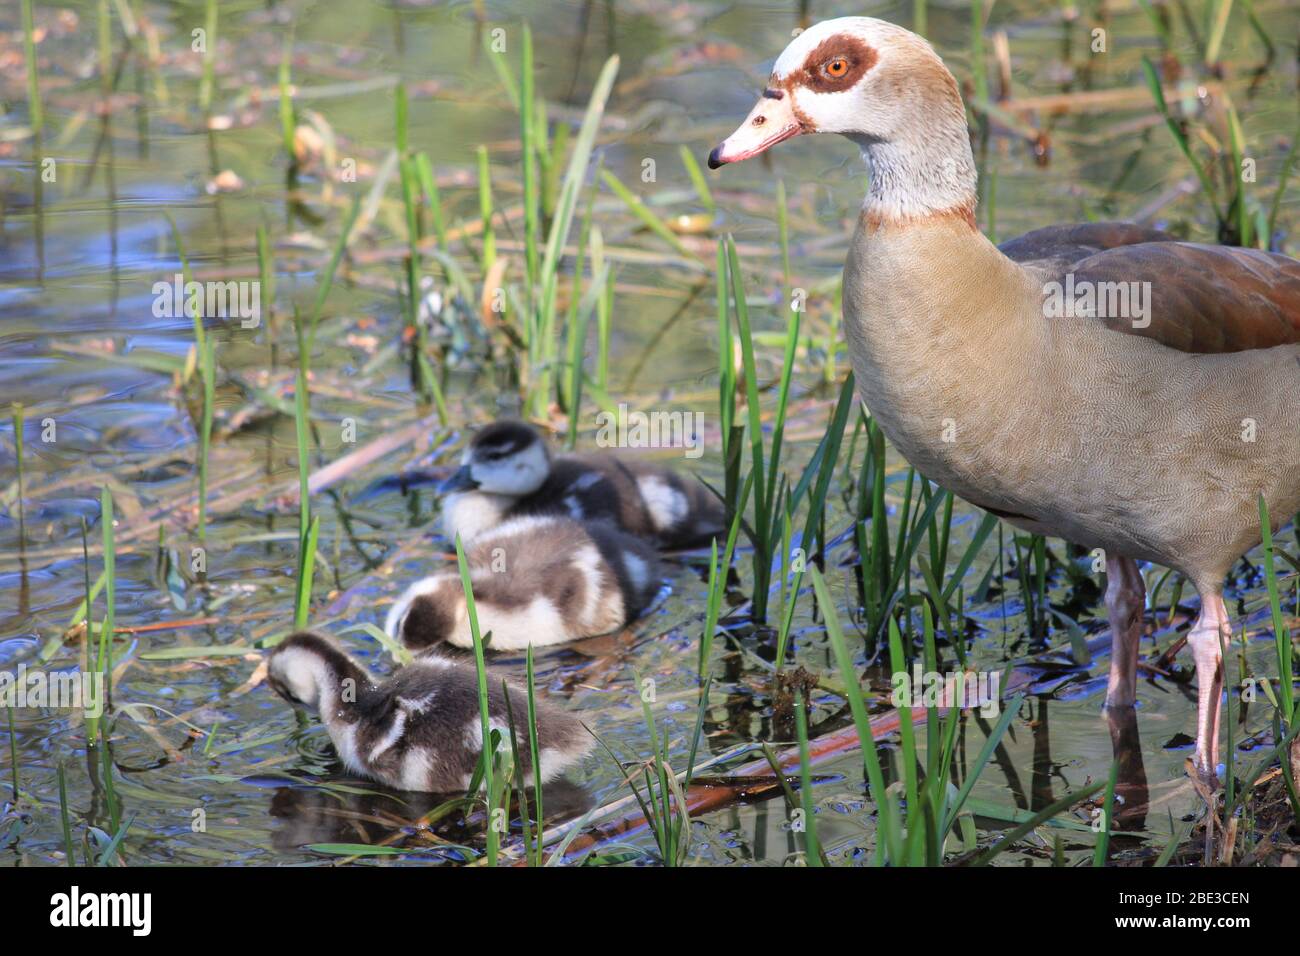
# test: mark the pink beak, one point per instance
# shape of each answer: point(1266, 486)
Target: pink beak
point(772, 121)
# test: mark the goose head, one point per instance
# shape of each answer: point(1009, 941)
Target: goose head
point(427, 612)
point(885, 89)
point(506, 458)
point(304, 666)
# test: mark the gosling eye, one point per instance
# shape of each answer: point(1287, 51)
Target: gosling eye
point(836, 67)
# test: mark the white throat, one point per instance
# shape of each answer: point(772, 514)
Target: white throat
point(470, 513)
point(912, 178)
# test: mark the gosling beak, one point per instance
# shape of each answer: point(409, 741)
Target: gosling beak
point(773, 120)
point(460, 480)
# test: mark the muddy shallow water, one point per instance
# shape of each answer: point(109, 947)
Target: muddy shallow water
point(82, 345)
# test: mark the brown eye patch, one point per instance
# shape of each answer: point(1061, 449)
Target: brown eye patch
point(837, 63)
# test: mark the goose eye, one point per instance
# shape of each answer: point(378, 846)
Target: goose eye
point(837, 67)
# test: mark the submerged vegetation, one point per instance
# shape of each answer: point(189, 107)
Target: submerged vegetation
point(523, 227)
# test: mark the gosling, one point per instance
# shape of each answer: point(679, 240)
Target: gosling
point(507, 471)
point(537, 580)
point(420, 729)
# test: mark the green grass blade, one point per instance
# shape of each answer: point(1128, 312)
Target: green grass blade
point(288, 119)
point(306, 568)
point(861, 720)
point(34, 113)
point(1158, 94)
point(1281, 633)
point(643, 213)
point(812, 848)
point(1107, 810)
point(698, 181)
point(534, 749)
point(1037, 820)
point(1284, 177)
point(327, 278)
point(1009, 710)
point(206, 82)
point(480, 668)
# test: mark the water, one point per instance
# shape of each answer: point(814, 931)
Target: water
point(211, 769)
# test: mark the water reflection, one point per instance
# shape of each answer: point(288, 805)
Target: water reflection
point(354, 811)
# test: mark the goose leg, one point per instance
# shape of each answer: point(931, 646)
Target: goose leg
point(1131, 781)
point(1125, 605)
point(1204, 639)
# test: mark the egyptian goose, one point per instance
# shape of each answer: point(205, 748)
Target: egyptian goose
point(1151, 437)
point(507, 471)
point(421, 728)
point(537, 579)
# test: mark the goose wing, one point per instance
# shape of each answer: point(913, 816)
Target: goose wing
point(1201, 298)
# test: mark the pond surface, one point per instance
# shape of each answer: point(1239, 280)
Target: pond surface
point(194, 734)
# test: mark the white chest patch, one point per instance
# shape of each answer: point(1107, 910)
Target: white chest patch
point(537, 622)
point(668, 507)
point(636, 570)
point(602, 606)
point(415, 769)
point(553, 761)
point(470, 514)
point(344, 737)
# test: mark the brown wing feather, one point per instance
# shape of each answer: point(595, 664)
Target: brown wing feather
point(1203, 298)
point(1070, 244)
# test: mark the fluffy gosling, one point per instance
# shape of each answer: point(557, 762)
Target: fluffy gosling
point(420, 729)
point(508, 471)
point(537, 580)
